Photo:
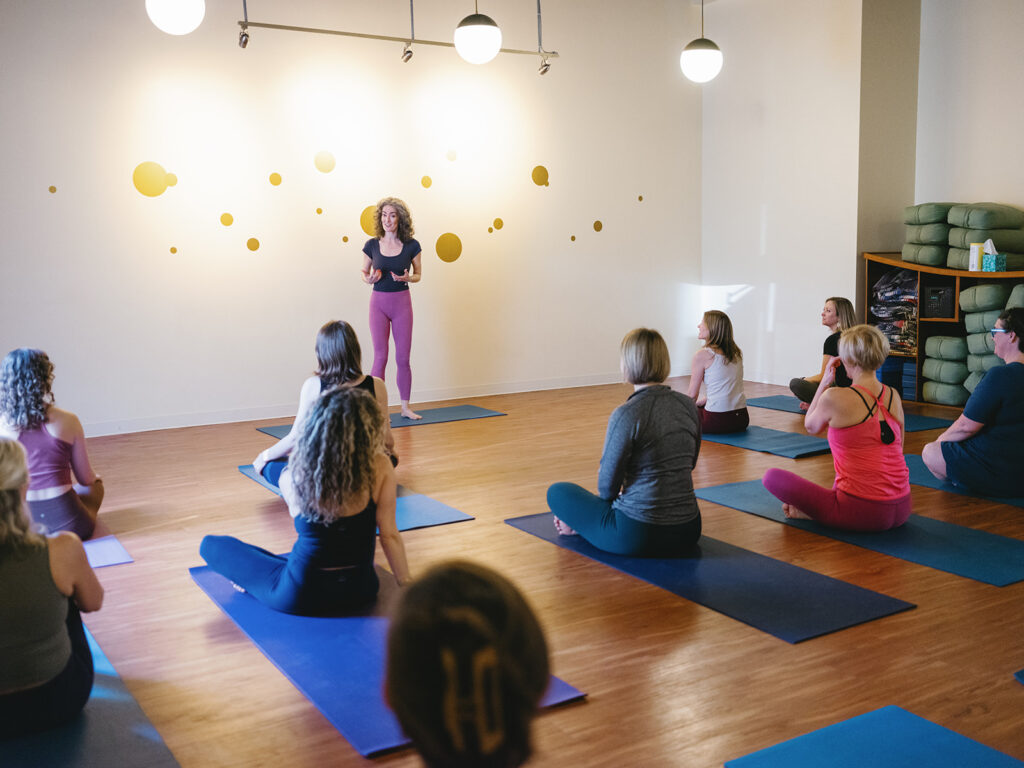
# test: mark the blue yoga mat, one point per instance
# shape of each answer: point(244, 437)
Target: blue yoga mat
point(914, 422)
point(1019, 675)
point(889, 737)
point(919, 475)
point(413, 510)
point(792, 445)
point(112, 731)
point(337, 663)
point(792, 603)
point(967, 552)
point(430, 416)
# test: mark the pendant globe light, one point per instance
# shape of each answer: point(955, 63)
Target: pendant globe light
point(701, 60)
point(477, 38)
point(176, 17)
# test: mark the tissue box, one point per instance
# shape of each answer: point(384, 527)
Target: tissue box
point(993, 262)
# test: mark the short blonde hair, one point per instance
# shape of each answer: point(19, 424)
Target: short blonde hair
point(645, 357)
point(864, 346)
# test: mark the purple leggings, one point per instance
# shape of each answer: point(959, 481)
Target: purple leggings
point(836, 508)
point(392, 312)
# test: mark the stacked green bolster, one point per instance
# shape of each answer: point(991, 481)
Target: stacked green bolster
point(976, 223)
point(980, 321)
point(945, 370)
point(927, 233)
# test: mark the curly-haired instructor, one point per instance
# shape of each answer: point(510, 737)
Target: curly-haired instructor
point(391, 261)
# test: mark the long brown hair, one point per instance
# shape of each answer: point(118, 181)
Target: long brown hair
point(405, 229)
point(720, 335)
point(338, 356)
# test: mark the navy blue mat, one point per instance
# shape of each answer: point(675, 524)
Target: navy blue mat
point(967, 552)
point(349, 689)
point(413, 510)
point(889, 737)
point(112, 731)
point(914, 422)
point(430, 416)
point(792, 603)
point(919, 475)
point(792, 445)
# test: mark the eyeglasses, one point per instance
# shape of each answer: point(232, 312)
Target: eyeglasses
point(994, 331)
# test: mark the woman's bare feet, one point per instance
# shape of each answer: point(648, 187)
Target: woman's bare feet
point(563, 529)
point(409, 413)
point(793, 513)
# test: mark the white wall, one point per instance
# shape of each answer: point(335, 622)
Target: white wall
point(780, 175)
point(143, 338)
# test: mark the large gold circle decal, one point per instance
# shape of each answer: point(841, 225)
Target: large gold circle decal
point(368, 220)
point(151, 179)
point(449, 247)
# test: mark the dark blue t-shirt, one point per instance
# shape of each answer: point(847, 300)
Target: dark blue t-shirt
point(388, 264)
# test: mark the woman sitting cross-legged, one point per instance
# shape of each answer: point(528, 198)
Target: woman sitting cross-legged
point(865, 432)
point(340, 489)
point(645, 503)
point(718, 366)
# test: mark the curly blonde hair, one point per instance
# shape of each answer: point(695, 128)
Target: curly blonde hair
point(405, 228)
point(15, 527)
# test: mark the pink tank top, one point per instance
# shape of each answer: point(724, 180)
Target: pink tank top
point(49, 459)
point(865, 466)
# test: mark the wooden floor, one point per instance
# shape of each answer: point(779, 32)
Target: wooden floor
point(670, 682)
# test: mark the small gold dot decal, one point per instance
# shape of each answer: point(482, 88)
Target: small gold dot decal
point(252, 244)
point(171, 179)
point(275, 179)
point(448, 247)
point(640, 198)
point(227, 219)
point(319, 211)
point(451, 155)
point(490, 229)
point(344, 239)
point(573, 238)
point(598, 226)
point(498, 223)
point(426, 181)
point(368, 220)
point(540, 176)
point(52, 190)
point(324, 161)
point(173, 249)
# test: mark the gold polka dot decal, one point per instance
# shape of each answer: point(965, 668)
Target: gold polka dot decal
point(52, 190)
point(490, 229)
point(319, 211)
point(344, 239)
point(368, 220)
point(324, 161)
point(598, 226)
point(426, 181)
point(640, 198)
point(227, 219)
point(498, 224)
point(451, 155)
point(275, 179)
point(572, 238)
point(173, 249)
point(540, 176)
point(252, 244)
point(449, 247)
point(151, 179)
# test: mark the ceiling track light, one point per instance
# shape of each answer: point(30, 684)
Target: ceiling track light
point(701, 59)
point(545, 65)
point(243, 35)
point(477, 38)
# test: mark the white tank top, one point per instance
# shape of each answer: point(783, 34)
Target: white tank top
point(723, 384)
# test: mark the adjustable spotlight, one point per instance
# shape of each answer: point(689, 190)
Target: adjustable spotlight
point(406, 53)
point(545, 65)
point(243, 39)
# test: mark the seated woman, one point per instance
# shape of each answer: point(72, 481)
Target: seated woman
point(467, 666)
point(338, 362)
point(340, 490)
point(837, 315)
point(46, 668)
point(55, 443)
point(645, 503)
point(719, 367)
point(865, 432)
point(979, 450)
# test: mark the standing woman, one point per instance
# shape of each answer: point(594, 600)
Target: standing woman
point(390, 262)
point(837, 315)
point(46, 670)
point(55, 443)
point(719, 366)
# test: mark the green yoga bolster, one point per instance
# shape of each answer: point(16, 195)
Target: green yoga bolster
point(960, 258)
point(1004, 239)
point(972, 381)
point(945, 394)
point(929, 234)
point(927, 213)
point(929, 255)
point(986, 216)
point(981, 322)
point(980, 344)
point(981, 298)
point(944, 371)
point(982, 363)
point(946, 347)
point(1016, 296)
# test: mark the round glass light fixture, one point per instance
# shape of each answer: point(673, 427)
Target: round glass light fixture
point(176, 17)
point(477, 38)
point(701, 60)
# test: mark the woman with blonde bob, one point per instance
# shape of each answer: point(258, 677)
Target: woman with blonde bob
point(46, 671)
point(467, 667)
point(718, 366)
point(645, 503)
point(865, 432)
point(340, 490)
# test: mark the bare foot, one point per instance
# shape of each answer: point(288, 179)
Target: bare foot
point(804, 406)
point(409, 413)
point(793, 513)
point(563, 529)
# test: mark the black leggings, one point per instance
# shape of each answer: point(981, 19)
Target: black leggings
point(58, 700)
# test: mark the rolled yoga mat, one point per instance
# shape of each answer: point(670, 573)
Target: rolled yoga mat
point(786, 601)
point(919, 475)
point(111, 731)
point(792, 445)
point(967, 552)
point(890, 737)
point(915, 422)
point(413, 510)
point(337, 663)
point(430, 416)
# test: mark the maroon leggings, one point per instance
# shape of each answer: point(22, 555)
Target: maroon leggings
point(836, 508)
point(722, 422)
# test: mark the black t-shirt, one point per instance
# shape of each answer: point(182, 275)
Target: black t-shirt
point(388, 264)
point(831, 348)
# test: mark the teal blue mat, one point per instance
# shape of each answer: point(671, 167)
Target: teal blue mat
point(792, 445)
point(430, 416)
point(919, 475)
point(889, 737)
point(914, 422)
